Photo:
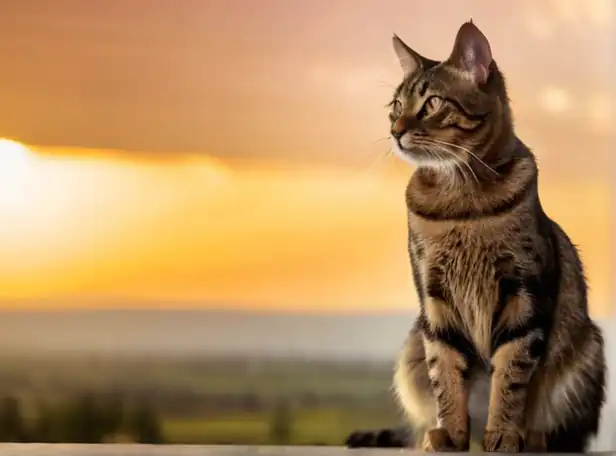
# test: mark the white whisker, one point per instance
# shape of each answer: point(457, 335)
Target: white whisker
point(458, 163)
point(465, 150)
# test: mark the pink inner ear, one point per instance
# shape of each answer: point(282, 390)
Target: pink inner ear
point(472, 52)
point(478, 70)
point(481, 73)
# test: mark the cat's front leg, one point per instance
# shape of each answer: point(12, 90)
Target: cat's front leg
point(448, 369)
point(515, 359)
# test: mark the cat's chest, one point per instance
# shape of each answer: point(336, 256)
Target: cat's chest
point(456, 267)
point(461, 266)
point(459, 285)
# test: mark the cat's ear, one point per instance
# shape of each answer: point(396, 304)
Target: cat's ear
point(410, 61)
point(471, 53)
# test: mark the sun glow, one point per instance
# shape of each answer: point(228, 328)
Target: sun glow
point(12, 150)
point(91, 226)
point(16, 162)
point(67, 217)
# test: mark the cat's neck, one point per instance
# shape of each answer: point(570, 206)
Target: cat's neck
point(479, 188)
point(478, 172)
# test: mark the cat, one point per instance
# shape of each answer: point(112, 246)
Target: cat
point(503, 338)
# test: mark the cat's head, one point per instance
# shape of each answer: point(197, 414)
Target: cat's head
point(449, 112)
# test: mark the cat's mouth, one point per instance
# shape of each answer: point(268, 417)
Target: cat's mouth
point(417, 153)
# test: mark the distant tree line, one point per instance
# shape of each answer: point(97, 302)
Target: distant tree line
point(187, 403)
point(83, 419)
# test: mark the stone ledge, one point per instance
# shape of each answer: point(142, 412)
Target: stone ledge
point(35, 449)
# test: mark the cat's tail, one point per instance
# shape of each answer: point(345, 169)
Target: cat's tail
point(399, 437)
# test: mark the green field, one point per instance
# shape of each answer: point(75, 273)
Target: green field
point(314, 427)
point(199, 376)
point(226, 401)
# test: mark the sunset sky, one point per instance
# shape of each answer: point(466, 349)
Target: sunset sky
point(229, 153)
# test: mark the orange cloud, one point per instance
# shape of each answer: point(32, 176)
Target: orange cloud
point(202, 233)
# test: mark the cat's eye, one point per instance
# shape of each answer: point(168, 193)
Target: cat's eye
point(434, 103)
point(430, 106)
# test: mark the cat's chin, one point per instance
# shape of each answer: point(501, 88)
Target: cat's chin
point(405, 154)
point(418, 159)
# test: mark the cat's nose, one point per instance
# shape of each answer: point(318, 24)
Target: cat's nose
point(398, 128)
point(397, 134)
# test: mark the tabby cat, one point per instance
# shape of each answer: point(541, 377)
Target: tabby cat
point(503, 338)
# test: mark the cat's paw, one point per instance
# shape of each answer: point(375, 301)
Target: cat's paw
point(503, 441)
point(438, 440)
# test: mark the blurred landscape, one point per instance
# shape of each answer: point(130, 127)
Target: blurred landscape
point(208, 377)
point(194, 399)
point(358, 336)
point(202, 376)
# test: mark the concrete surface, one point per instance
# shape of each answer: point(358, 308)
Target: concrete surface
point(34, 449)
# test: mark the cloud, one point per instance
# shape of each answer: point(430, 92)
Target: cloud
point(555, 100)
point(549, 18)
point(350, 81)
point(600, 112)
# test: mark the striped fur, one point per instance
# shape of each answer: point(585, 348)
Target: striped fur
point(504, 319)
